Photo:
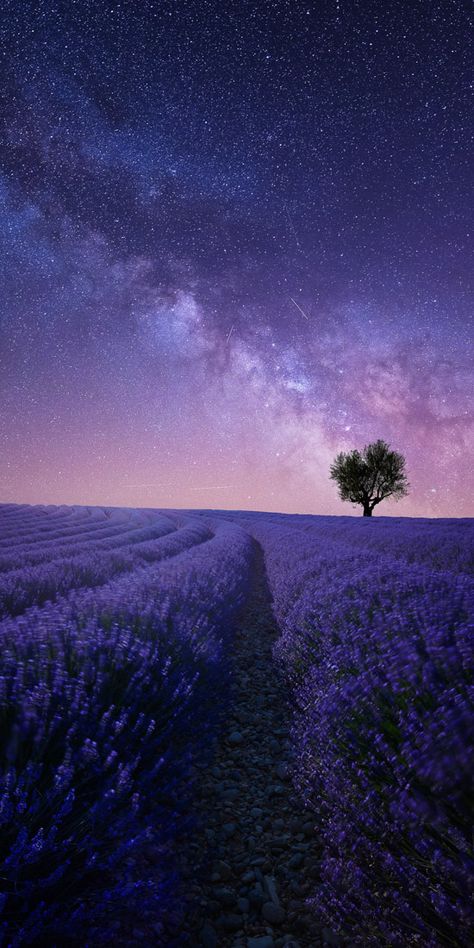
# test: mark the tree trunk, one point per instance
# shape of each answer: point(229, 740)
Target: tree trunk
point(367, 510)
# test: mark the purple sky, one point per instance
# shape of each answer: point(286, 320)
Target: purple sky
point(235, 240)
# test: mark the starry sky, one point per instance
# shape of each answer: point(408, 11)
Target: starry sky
point(234, 241)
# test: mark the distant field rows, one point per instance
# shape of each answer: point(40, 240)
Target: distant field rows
point(116, 633)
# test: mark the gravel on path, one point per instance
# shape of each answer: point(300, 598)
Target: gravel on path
point(254, 857)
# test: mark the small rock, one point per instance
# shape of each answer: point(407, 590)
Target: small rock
point(235, 738)
point(230, 923)
point(208, 936)
point(272, 913)
point(295, 861)
point(229, 829)
point(262, 941)
point(256, 897)
point(275, 790)
point(224, 870)
point(225, 896)
point(256, 812)
point(281, 771)
point(231, 794)
point(244, 905)
point(270, 885)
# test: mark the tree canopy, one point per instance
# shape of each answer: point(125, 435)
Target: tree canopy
point(369, 476)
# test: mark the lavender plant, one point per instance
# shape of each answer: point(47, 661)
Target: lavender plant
point(105, 698)
point(378, 649)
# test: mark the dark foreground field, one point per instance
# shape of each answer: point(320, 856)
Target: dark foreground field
point(234, 729)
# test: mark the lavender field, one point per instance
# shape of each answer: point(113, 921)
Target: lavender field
point(117, 654)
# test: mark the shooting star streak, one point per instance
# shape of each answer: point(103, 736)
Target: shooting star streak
point(141, 486)
point(223, 487)
point(230, 333)
point(299, 307)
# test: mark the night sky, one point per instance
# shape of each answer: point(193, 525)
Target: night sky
point(235, 241)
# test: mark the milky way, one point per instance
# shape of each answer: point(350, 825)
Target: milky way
point(235, 240)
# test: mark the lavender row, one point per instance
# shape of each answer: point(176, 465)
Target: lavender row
point(22, 588)
point(440, 544)
point(30, 539)
point(46, 522)
point(104, 697)
point(120, 536)
point(380, 655)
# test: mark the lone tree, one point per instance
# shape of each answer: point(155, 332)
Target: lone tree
point(370, 476)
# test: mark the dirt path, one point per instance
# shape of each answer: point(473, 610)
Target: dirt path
point(261, 846)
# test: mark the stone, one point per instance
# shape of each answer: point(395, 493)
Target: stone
point(270, 885)
point(275, 790)
point(231, 794)
point(256, 897)
point(295, 861)
point(244, 905)
point(229, 829)
point(208, 936)
point(230, 923)
point(273, 914)
point(235, 738)
point(224, 870)
point(262, 941)
point(225, 896)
